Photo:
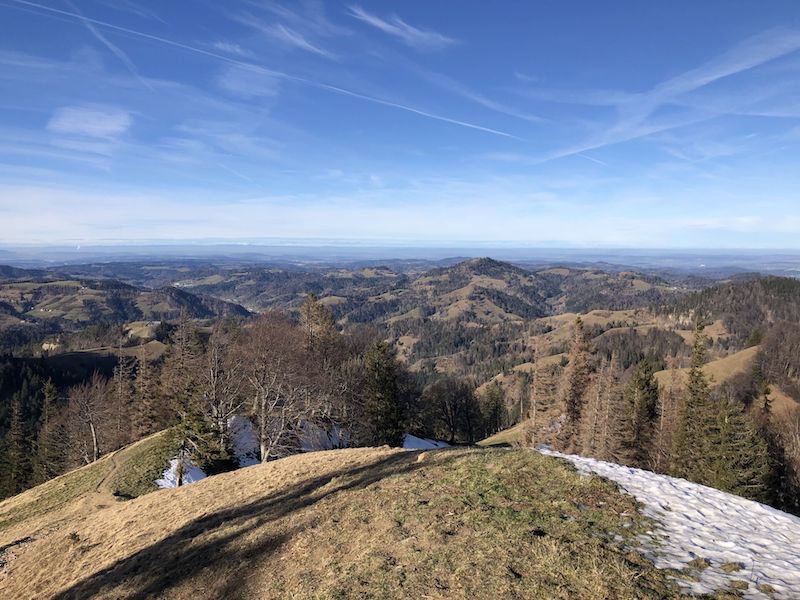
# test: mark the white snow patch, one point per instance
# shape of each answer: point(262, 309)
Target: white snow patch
point(412, 442)
point(312, 437)
point(243, 441)
point(695, 521)
point(191, 473)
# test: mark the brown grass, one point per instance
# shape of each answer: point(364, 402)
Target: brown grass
point(719, 370)
point(361, 523)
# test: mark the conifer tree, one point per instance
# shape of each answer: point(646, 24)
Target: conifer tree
point(148, 414)
point(669, 404)
point(692, 442)
point(493, 409)
point(17, 448)
point(542, 394)
point(642, 405)
point(740, 461)
point(318, 326)
point(181, 387)
point(576, 380)
point(48, 459)
point(121, 401)
point(717, 443)
point(615, 415)
point(383, 402)
point(594, 413)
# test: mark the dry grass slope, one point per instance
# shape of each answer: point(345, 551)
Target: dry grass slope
point(361, 523)
point(719, 370)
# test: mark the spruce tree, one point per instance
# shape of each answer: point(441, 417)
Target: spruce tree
point(740, 461)
point(576, 379)
point(48, 458)
point(593, 413)
point(642, 404)
point(692, 440)
point(18, 470)
point(383, 402)
point(615, 415)
point(668, 406)
point(149, 415)
point(716, 443)
point(121, 430)
point(180, 380)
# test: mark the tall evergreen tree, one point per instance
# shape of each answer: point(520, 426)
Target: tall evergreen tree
point(717, 443)
point(181, 388)
point(642, 400)
point(668, 407)
point(121, 401)
point(48, 458)
point(18, 469)
point(150, 412)
point(615, 415)
point(493, 409)
point(692, 444)
point(576, 380)
point(383, 402)
point(740, 463)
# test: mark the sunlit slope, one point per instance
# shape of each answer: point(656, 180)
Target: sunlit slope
point(361, 523)
point(124, 474)
point(719, 370)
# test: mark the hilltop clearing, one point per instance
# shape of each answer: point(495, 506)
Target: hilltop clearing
point(453, 523)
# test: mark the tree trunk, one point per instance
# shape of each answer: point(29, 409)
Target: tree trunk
point(95, 447)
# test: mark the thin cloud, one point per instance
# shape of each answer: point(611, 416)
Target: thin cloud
point(248, 83)
point(231, 48)
point(93, 122)
point(123, 58)
point(418, 39)
point(312, 18)
point(292, 38)
point(275, 73)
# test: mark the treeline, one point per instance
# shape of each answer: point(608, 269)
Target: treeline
point(298, 380)
point(726, 436)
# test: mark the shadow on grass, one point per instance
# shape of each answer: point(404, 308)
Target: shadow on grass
point(154, 570)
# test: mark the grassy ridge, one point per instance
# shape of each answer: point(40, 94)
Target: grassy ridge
point(360, 523)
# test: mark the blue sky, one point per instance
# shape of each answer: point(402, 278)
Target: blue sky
point(627, 124)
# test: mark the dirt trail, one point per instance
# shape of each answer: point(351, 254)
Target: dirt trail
point(103, 485)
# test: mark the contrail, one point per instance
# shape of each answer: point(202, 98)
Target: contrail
point(124, 58)
point(591, 158)
point(271, 72)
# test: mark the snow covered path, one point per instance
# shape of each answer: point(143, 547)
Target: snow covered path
point(696, 521)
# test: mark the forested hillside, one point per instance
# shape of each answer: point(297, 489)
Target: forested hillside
point(598, 363)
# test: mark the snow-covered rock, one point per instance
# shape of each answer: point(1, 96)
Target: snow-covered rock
point(695, 521)
point(191, 473)
point(412, 442)
point(243, 441)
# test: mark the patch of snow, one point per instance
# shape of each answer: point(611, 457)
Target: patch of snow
point(312, 437)
point(243, 441)
point(696, 521)
point(412, 442)
point(169, 478)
